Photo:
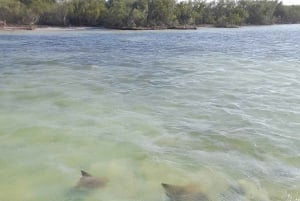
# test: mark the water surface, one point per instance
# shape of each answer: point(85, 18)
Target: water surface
point(215, 107)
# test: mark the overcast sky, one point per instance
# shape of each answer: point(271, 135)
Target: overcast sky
point(285, 2)
point(291, 2)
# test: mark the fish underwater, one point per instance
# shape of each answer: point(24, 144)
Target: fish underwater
point(233, 191)
point(193, 192)
point(184, 193)
point(241, 191)
point(88, 181)
point(85, 186)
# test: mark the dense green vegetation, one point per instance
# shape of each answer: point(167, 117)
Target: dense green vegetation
point(146, 13)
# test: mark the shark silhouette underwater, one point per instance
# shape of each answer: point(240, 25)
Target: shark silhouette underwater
point(191, 192)
point(184, 193)
point(85, 186)
point(88, 181)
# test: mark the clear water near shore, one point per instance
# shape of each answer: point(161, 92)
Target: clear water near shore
point(215, 107)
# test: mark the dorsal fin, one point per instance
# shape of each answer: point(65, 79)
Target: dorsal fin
point(188, 192)
point(173, 190)
point(85, 174)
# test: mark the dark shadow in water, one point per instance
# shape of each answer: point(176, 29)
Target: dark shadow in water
point(193, 193)
point(183, 193)
point(85, 186)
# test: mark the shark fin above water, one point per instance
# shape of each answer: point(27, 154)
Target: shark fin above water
point(184, 193)
point(85, 174)
point(87, 181)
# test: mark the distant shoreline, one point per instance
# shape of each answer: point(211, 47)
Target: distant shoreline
point(43, 27)
point(11, 28)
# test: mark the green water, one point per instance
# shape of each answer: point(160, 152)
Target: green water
point(219, 108)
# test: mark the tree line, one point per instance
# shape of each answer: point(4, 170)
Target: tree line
point(146, 13)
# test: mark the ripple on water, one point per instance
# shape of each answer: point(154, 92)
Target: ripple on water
point(213, 107)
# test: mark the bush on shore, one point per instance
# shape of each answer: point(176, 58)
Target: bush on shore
point(146, 13)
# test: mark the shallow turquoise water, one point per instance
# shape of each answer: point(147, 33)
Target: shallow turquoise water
point(214, 107)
